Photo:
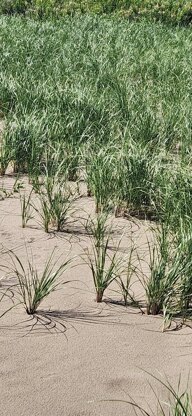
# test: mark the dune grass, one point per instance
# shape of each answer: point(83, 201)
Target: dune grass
point(177, 403)
point(112, 96)
point(35, 286)
point(107, 100)
point(105, 267)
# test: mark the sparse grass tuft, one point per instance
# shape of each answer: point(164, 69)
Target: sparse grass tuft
point(35, 286)
point(26, 208)
point(105, 268)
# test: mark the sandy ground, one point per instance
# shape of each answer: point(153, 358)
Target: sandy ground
point(101, 357)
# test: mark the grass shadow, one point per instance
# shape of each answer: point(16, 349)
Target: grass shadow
point(60, 321)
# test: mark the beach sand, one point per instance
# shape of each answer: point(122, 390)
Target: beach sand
point(77, 357)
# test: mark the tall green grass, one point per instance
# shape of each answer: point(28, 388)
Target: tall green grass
point(112, 97)
point(177, 11)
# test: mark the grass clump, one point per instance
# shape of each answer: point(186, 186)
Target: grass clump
point(158, 285)
point(168, 286)
point(55, 196)
point(125, 280)
point(35, 286)
point(100, 178)
point(5, 155)
point(136, 180)
point(105, 268)
point(26, 208)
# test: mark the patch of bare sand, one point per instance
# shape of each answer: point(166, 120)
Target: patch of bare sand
point(100, 356)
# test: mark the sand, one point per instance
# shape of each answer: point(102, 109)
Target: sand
point(101, 357)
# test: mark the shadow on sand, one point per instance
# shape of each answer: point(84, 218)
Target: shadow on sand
point(59, 321)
